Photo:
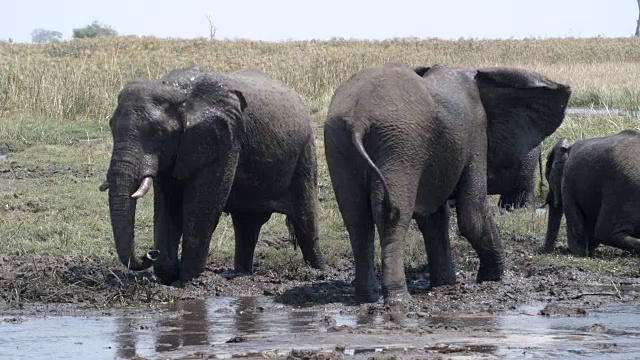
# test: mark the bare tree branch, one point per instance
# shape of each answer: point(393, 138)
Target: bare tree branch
point(212, 28)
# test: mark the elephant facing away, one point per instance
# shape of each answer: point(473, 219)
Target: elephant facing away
point(400, 142)
point(596, 184)
point(210, 142)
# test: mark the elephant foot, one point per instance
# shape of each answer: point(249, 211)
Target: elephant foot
point(547, 249)
point(490, 273)
point(237, 272)
point(397, 300)
point(167, 272)
point(443, 279)
point(315, 260)
point(188, 273)
point(366, 297)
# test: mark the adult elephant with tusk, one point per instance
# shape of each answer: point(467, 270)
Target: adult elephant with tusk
point(208, 142)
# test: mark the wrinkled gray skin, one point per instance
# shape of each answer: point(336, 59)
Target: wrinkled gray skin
point(596, 183)
point(209, 142)
point(516, 185)
point(400, 142)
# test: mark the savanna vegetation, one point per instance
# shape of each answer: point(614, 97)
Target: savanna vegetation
point(55, 142)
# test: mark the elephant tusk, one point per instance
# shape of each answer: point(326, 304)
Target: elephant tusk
point(145, 185)
point(104, 186)
point(152, 255)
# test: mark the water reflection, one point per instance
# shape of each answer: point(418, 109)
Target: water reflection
point(126, 338)
point(206, 325)
point(190, 327)
point(248, 316)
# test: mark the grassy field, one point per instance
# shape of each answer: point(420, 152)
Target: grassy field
point(55, 102)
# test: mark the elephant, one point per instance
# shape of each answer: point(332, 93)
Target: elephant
point(208, 143)
point(516, 184)
point(401, 141)
point(596, 184)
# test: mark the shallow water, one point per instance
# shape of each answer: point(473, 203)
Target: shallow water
point(259, 325)
point(601, 111)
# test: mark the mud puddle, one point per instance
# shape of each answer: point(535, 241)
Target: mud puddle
point(257, 327)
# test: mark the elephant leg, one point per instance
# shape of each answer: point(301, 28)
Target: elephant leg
point(167, 228)
point(205, 196)
point(477, 225)
point(435, 230)
point(246, 227)
point(392, 231)
point(352, 197)
point(627, 242)
point(576, 235)
point(614, 228)
point(305, 208)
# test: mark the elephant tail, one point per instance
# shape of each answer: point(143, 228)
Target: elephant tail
point(540, 163)
point(357, 136)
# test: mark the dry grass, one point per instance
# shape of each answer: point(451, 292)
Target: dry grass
point(80, 79)
point(53, 98)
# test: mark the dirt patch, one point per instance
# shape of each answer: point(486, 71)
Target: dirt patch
point(16, 170)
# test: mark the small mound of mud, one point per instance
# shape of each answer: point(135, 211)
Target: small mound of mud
point(313, 355)
point(562, 310)
point(595, 328)
point(325, 292)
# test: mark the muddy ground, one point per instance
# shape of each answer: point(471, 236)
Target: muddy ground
point(30, 284)
point(43, 285)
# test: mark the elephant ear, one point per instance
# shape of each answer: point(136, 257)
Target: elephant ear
point(558, 152)
point(211, 118)
point(522, 108)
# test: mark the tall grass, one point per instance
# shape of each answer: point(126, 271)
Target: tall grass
point(80, 79)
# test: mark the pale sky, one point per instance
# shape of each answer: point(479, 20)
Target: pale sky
point(278, 20)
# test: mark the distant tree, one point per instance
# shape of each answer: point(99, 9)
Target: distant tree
point(638, 21)
point(212, 28)
point(95, 29)
point(43, 36)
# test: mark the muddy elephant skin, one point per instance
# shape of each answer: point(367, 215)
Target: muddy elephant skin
point(210, 142)
point(401, 141)
point(595, 183)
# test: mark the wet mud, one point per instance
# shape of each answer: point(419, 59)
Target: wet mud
point(260, 328)
point(537, 309)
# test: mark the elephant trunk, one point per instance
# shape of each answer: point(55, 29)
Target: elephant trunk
point(122, 208)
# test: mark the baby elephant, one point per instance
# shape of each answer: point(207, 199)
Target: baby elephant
point(596, 182)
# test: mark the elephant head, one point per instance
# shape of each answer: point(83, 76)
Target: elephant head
point(165, 128)
point(554, 171)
